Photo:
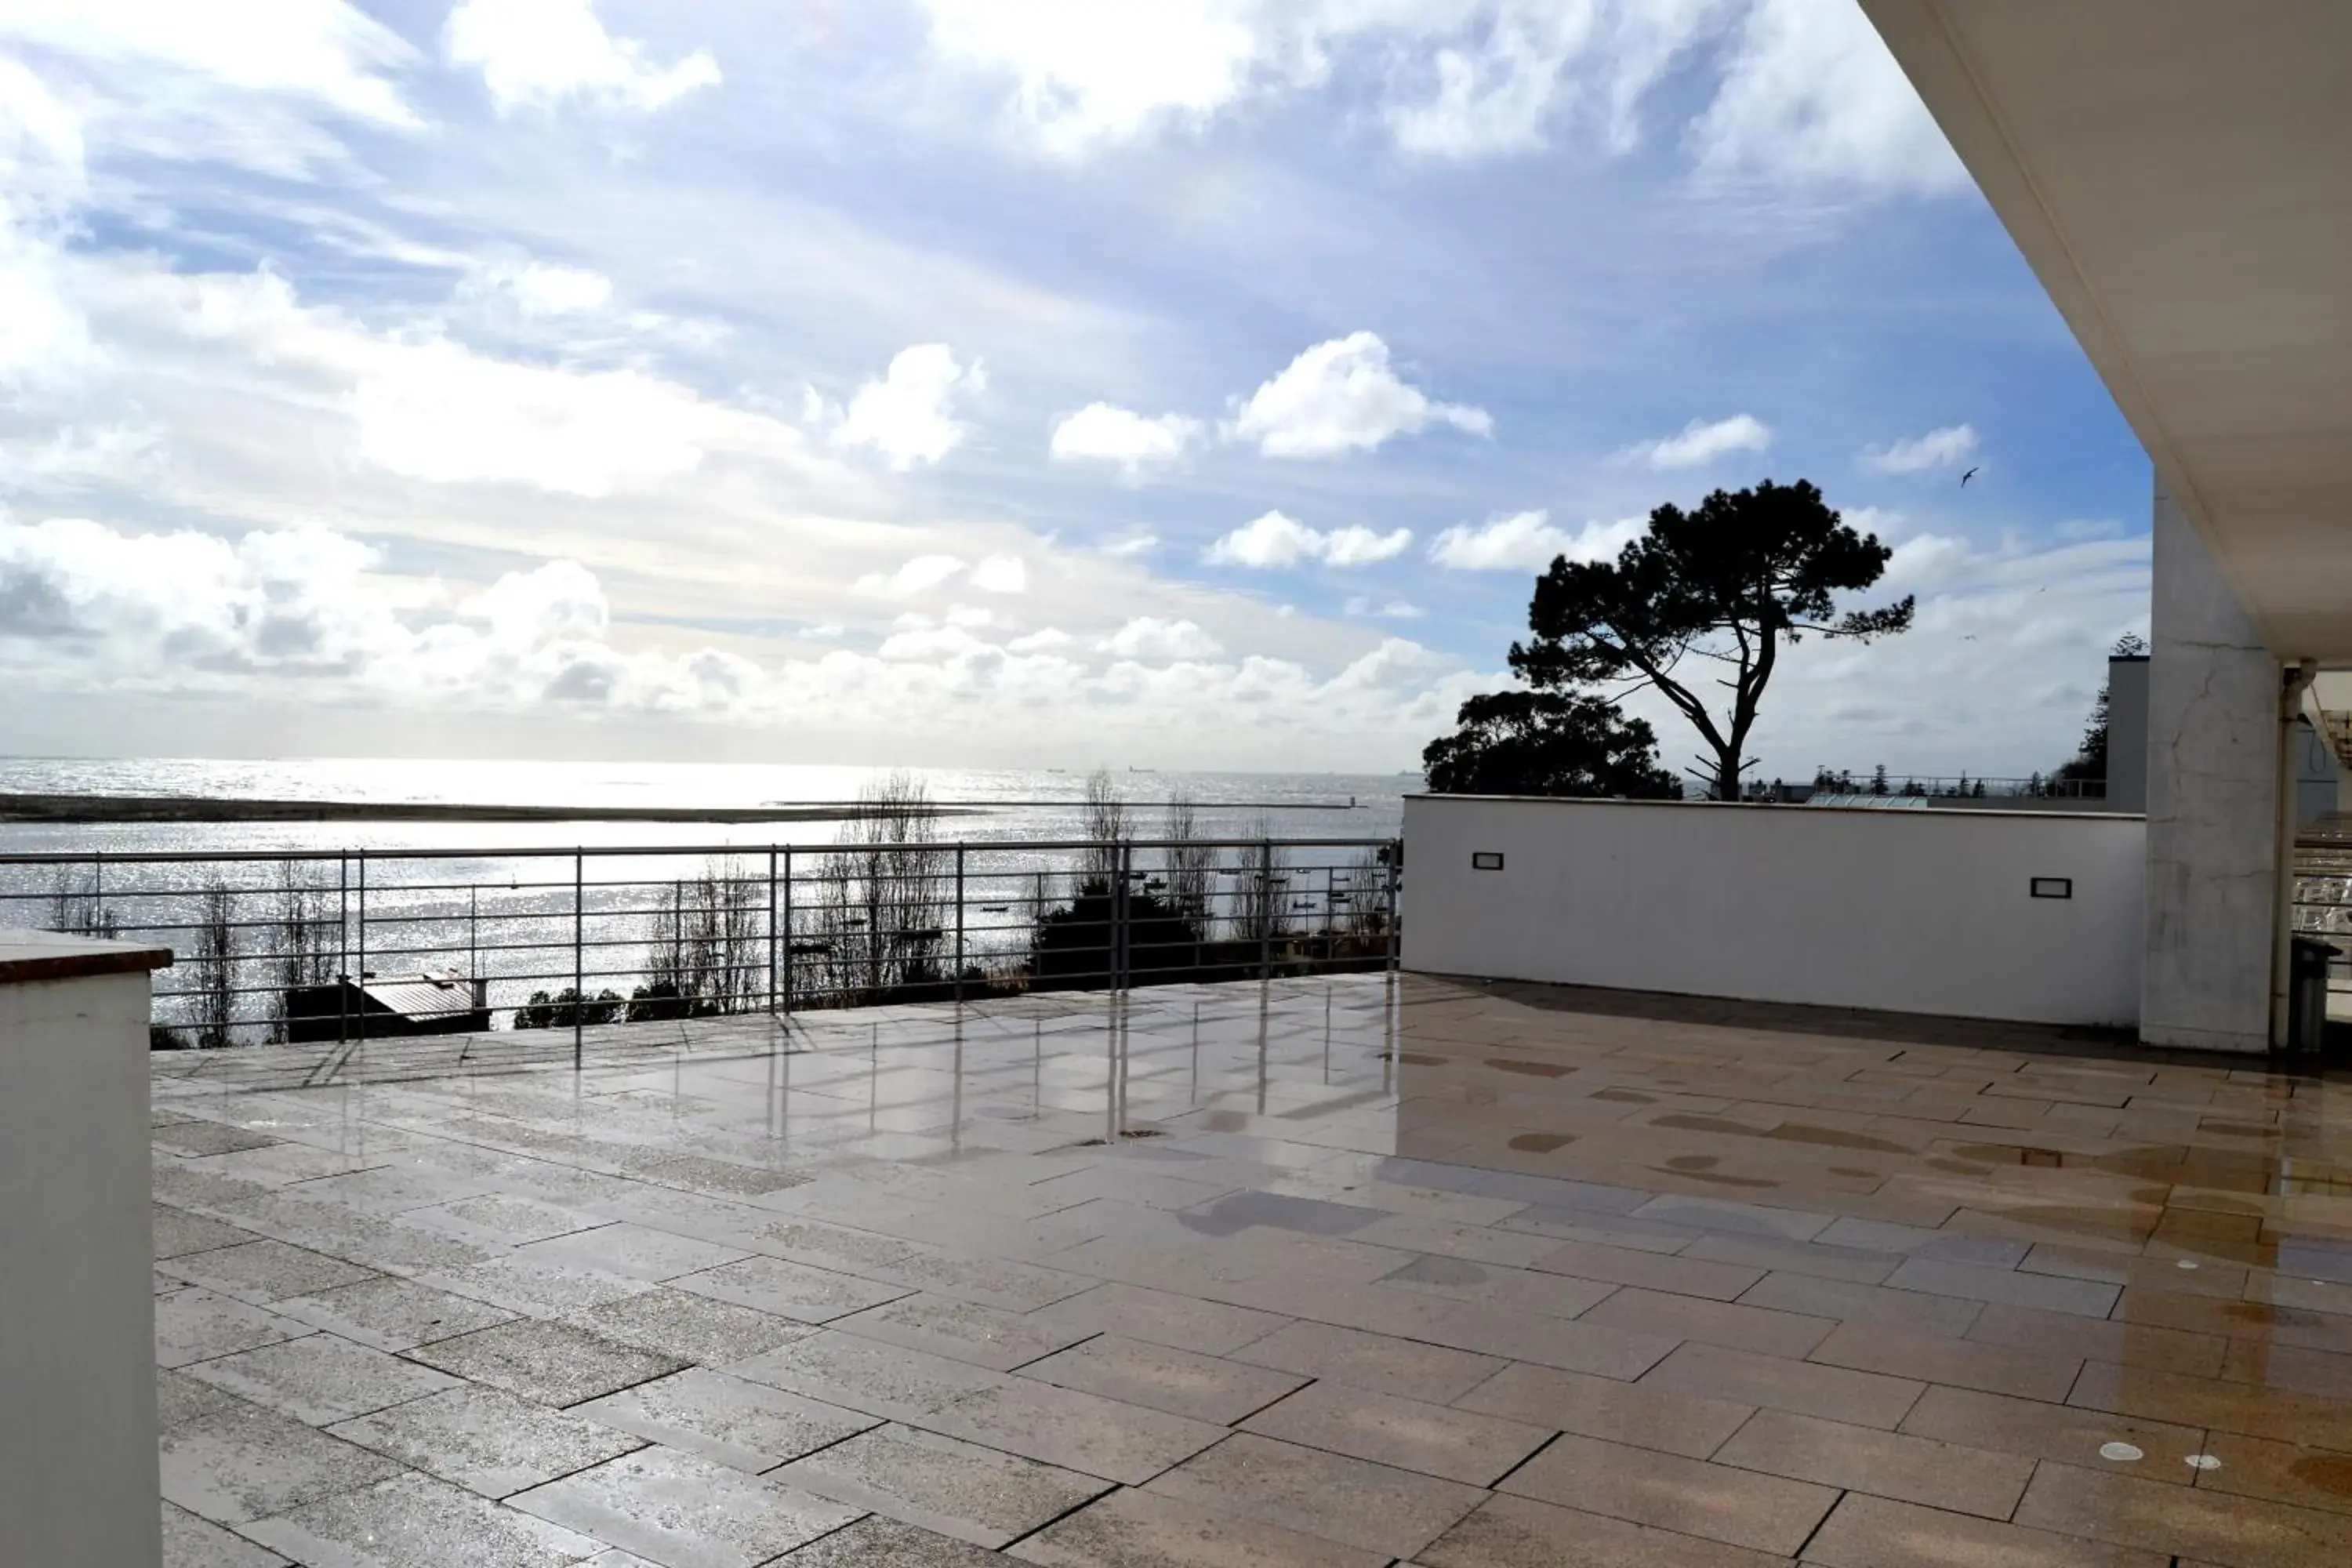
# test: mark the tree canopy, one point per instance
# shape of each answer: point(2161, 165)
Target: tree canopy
point(1708, 596)
point(1546, 743)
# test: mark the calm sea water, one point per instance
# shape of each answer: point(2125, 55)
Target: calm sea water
point(1013, 804)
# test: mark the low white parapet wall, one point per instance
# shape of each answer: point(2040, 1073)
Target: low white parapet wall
point(2011, 915)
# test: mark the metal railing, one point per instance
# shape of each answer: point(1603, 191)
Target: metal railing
point(299, 945)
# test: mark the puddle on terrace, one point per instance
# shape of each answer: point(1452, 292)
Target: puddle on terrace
point(2328, 1472)
point(1531, 1069)
point(1541, 1142)
point(2177, 1164)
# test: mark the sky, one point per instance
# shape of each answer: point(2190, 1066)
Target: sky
point(995, 382)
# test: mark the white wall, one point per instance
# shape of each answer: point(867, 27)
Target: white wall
point(1912, 911)
point(78, 1467)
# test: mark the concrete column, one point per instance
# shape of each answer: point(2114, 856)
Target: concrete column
point(77, 1470)
point(2213, 805)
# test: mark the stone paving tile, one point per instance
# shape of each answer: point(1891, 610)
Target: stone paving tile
point(961, 1331)
point(1812, 1259)
point(264, 1271)
point(1710, 1322)
point(1848, 1301)
point(243, 1462)
point(392, 1314)
point(1487, 1284)
point(1550, 1342)
point(196, 1138)
point(535, 1288)
point(485, 1440)
point(180, 1399)
point(867, 1376)
point(1683, 1275)
point(1875, 1532)
point(747, 1425)
point(1632, 1413)
point(1136, 1530)
point(1354, 1502)
point(1834, 1393)
point(499, 1219)
point(875, 1542)
point(1690, 1497)
point(1078, 1431)
point(2009, 1287)
point(193, 1543)
point(973, 1493)
point(194, 1325)
point(692, 1327)
point(1865, 1459)
point(1459, 1444)
point(685, 1512)
point(176, 1231)
point(321, 1378)
point(788, 1290)
point(552, 1363)
point(1520, 1533)
point(1382, 1363)
point(412, 1519)
point(633, 1251)
point(1204, 1388)
point(2188, 1521)
point(1939, 1358)
point(2038, 1430)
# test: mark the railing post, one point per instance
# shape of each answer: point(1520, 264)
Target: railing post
point(771, 931)
point(1264, 909)
point(343, 947)
point(788, 930)
point(958, 943)
point(1396, 869)
point(579, 948)
point(1120, 919)
point(359, 1021)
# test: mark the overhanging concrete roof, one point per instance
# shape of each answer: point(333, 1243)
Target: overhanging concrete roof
point(2179, 173)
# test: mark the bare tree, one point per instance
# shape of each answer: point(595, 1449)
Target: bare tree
point(303, 939)
point(1191, 862)
point(1261, 903)
point(1106, 829)
point(882, 906)
point(212, 969)
point(704, 945)
point(77, 908)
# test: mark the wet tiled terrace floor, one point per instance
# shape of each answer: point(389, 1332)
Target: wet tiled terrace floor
point(1340, 1272)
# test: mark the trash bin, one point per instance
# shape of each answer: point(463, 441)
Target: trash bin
point(2307, 996)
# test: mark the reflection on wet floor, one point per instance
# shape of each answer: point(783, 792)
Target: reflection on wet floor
point(1359, 1270)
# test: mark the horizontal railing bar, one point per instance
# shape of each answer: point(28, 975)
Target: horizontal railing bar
point(970, 846)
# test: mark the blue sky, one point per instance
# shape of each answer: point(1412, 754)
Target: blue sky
point(1180, 381)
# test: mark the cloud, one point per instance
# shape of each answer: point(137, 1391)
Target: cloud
point(1452, 79)
point(1340, 396)
point(326, 52)
point(907, 415)
point(1148, 638)
point(919, 575)
point(1276, 540)
point(1936, 449)
point(1395, 609)
point(1040, 640)
point(1132, 547)
point(1699, 443)
point(536, 54)
point(1102, 432)
point(545, 288)
point(1810, 97)
point(1001, 575)
point(1527, 541)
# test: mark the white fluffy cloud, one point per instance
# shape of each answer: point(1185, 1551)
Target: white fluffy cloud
point(1277, 539)
point(1153, 640)
point(1342, 396)
point(1527, 541)
point(545, 288)
point(1395, 609)
point(1805, 93)
point(536, 54)
point(995, 574)
point(1701, 442)
point(907, 415)
point(1104, 433)
point(1935, 449)
point(1810, 97)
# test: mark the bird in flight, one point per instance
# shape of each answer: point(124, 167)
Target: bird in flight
point(1966, 477)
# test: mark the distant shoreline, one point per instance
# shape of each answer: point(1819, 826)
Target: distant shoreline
point(170, 808)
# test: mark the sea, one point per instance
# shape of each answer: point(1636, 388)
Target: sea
point(508, 903)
